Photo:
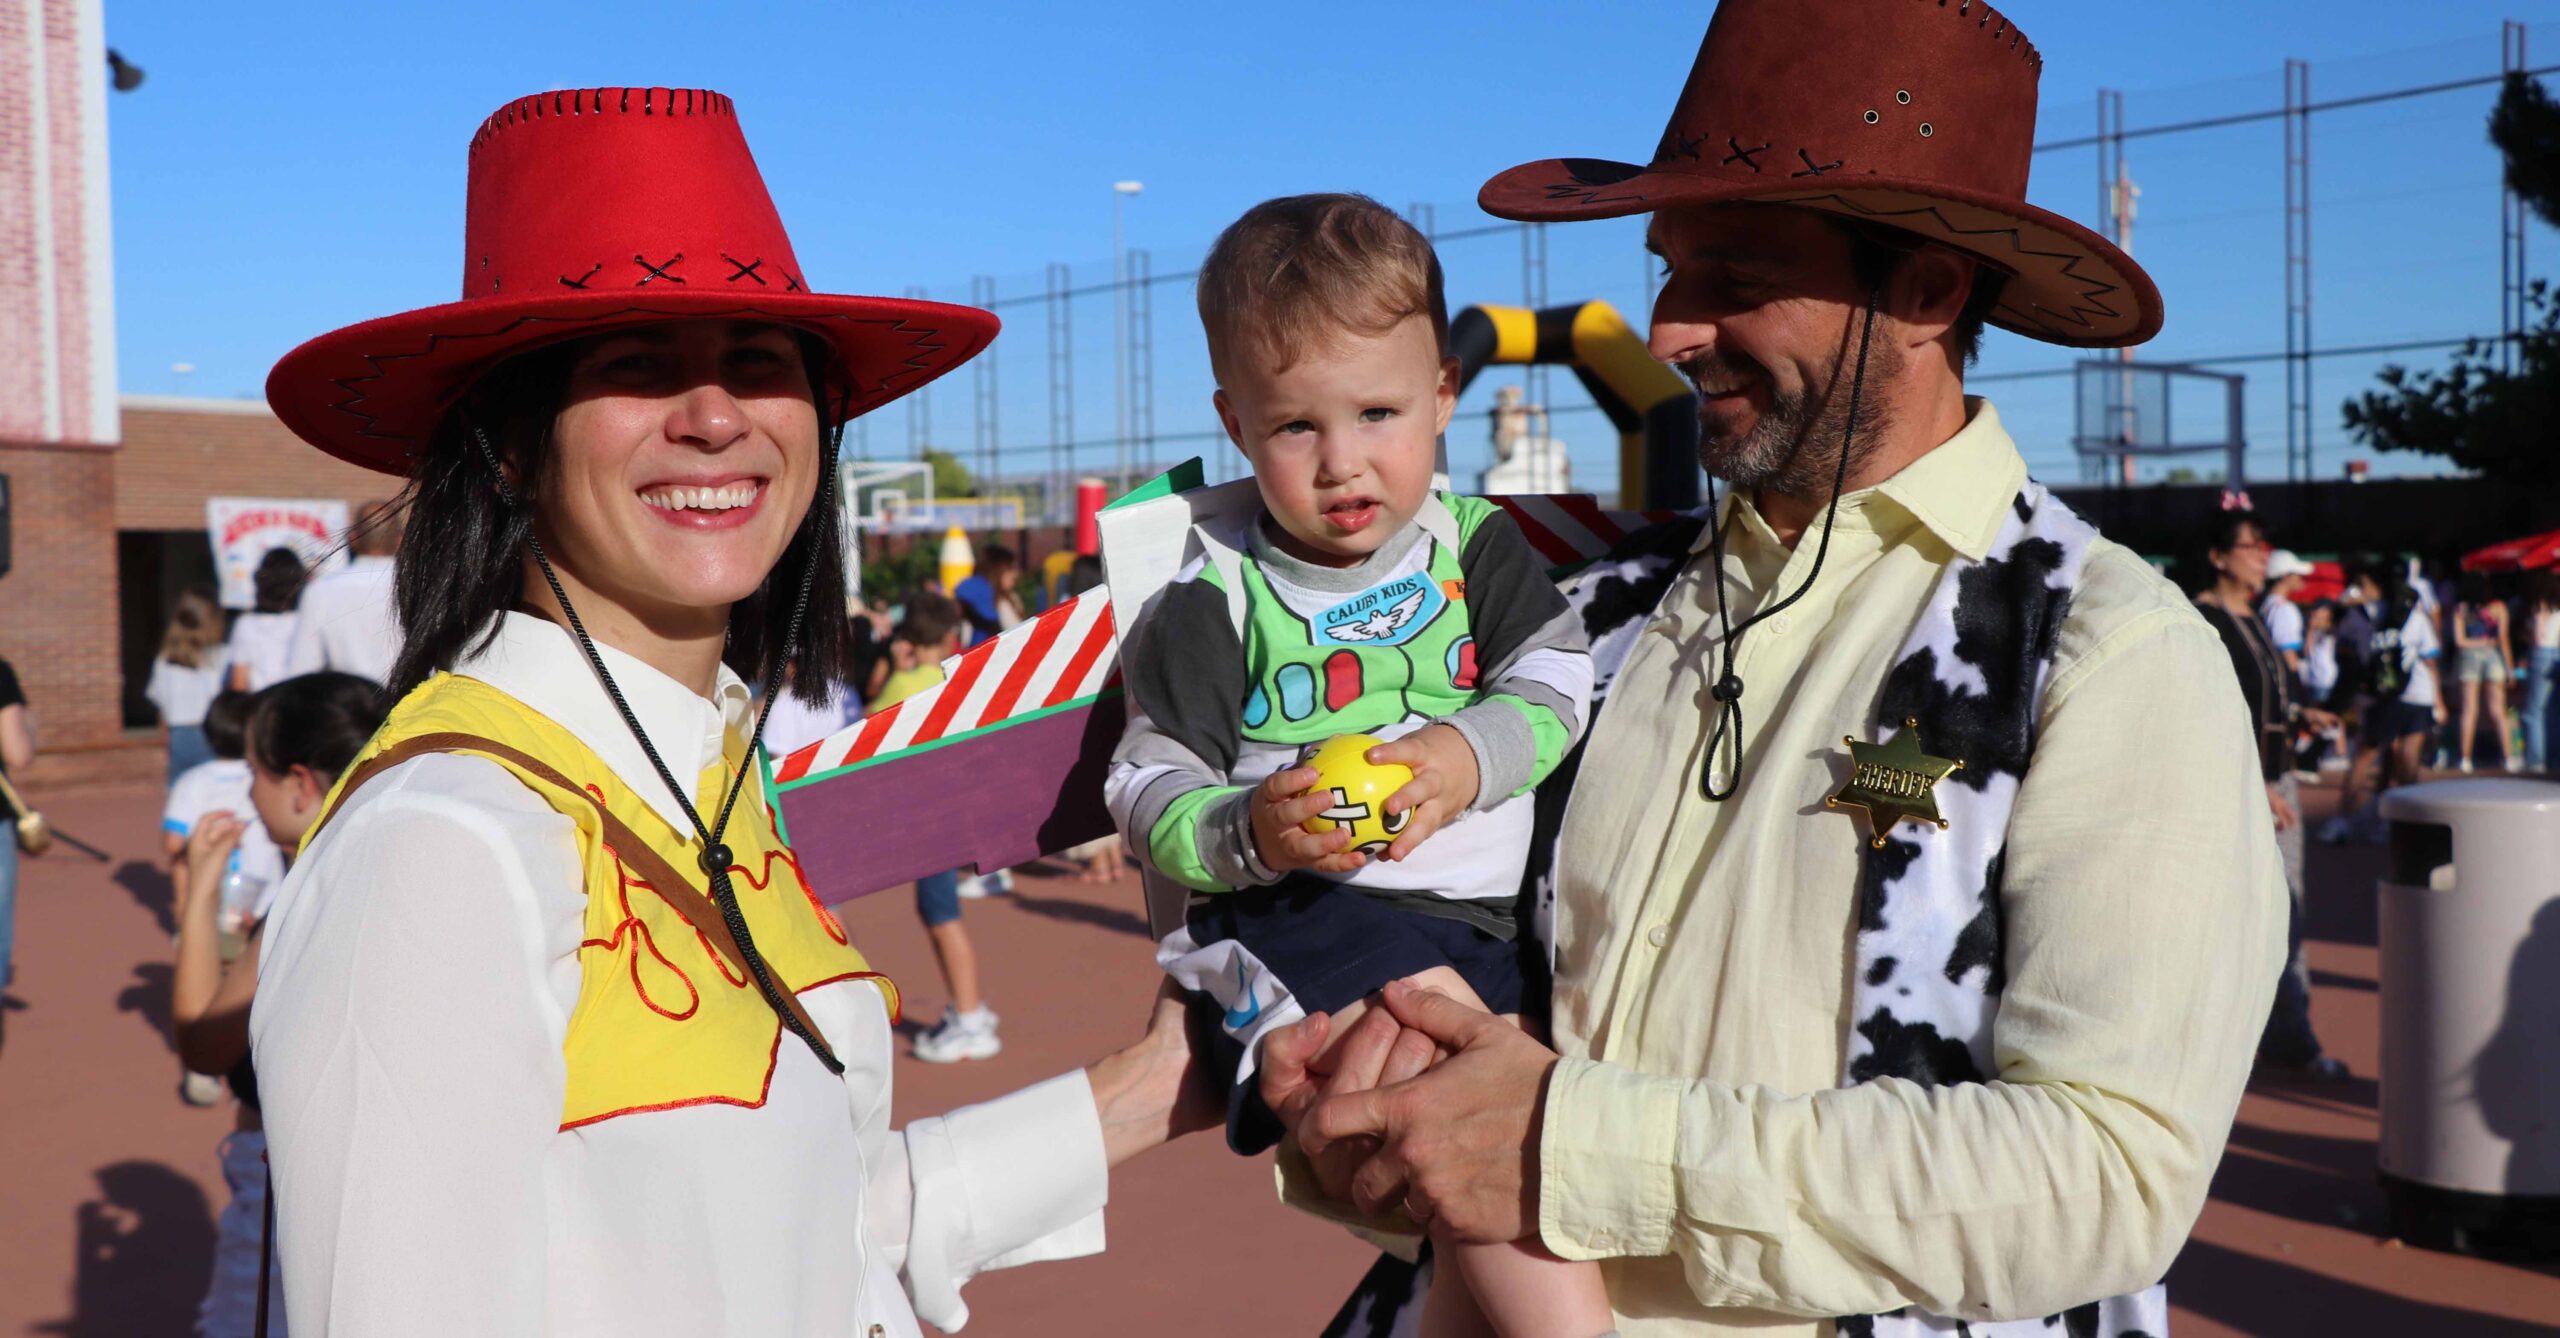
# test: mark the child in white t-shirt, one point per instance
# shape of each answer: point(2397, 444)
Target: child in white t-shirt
point(221, 786)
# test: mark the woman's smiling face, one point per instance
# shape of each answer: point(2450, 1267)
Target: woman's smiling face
point(682, 461)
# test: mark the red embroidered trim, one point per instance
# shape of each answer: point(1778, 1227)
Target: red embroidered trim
point(896, 1000)
point(647, 940)
point(773, 1056)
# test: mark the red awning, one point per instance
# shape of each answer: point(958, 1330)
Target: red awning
point(2541, 550)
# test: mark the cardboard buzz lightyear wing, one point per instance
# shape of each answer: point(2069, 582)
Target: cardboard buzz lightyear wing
point(1003, 762)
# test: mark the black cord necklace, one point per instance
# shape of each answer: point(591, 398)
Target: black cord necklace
point(715, 857)
point(1727, 689)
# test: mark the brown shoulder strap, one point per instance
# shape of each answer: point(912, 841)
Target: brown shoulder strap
point(671, 886)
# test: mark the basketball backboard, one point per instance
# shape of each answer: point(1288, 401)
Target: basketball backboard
point(2128, 408)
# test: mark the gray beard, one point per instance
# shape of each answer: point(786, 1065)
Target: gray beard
point(1795, 447)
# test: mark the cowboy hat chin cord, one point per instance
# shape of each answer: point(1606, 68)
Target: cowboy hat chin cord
point(1728, 685)
point(715, 856)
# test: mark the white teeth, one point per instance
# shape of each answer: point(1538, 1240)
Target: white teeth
point(727, 497)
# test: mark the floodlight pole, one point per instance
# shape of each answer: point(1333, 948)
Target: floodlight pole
point(2513, 224)
point(2297, 271)
point(1120, 193)
point(2115, 205)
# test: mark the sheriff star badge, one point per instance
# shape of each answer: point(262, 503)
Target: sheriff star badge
point(1894, 782)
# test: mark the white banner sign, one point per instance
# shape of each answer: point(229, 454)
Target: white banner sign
point(244, 528)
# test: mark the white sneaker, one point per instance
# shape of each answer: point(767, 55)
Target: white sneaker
point(2466, 766)
point(979, 886)
point(200, 1089)
point(2335, 832)
point(959, 1036)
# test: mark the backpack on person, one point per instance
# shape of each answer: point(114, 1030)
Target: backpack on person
point(2386, 662)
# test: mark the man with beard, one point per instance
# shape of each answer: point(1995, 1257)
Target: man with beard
point(1917, 902)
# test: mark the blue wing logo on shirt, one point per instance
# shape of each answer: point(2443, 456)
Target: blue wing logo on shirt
point(1249, 1005)
point(1382, 615)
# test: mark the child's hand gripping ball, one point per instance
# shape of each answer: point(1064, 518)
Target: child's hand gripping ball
point(1357, 789)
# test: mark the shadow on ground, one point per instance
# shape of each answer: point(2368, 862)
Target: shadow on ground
point(143, 1253)
point(2267, 1296)
point(149, 994)
point(1114, 919)
point(149, 886)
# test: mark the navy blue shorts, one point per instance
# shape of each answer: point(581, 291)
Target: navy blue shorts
point(938, 898)
point(1332, 947)
point(2387, 721)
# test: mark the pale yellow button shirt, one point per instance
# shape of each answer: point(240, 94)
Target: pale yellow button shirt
point(1696, 1139)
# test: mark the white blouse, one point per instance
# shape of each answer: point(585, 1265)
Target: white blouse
point(263, 642)
point(416, 983)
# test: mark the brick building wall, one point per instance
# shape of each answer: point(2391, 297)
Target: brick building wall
point(177, 452)
point(57, 306)
point(58, 602)
point(62, 605)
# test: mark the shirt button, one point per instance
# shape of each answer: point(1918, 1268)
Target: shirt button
point(1600, 1240)
point(1779, 624)
point(1658, 935)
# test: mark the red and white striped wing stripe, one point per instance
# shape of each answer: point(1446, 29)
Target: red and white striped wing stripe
point(1071, 651)
point(1571, 527)
point(1058, 657)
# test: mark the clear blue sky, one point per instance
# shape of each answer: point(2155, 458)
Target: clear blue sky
point(291, 167)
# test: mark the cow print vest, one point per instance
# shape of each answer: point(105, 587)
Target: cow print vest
point(1929, 968)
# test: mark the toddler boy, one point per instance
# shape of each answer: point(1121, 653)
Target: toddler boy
point(1357, 601)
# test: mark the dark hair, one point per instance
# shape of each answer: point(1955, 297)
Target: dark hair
point(2474, 589)
point(995, 555)
point(1083, 574)
point(2222, 529)
point(279, 580)
point(226, 723)
point(461, 560)
point(1877, 254)
point(930, 620)
point(2220, 533)
point(2389, 574)
point(2544, 587)
point(320, 721)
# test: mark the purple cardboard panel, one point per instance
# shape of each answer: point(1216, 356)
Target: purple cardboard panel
point(1003, 798)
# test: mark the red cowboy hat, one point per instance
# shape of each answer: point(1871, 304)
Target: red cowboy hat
point(591, 209)
point(1917, 115)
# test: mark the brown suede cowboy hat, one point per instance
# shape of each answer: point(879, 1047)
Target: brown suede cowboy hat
point(1914, 115)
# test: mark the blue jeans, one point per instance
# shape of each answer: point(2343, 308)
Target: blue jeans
point(938, 898)
point(8, 901)
point(2539, 705)
point(187, 750)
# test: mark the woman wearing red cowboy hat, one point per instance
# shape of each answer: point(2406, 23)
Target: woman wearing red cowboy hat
point(553, 1035)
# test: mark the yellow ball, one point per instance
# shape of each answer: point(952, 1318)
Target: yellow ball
point(1358, 789)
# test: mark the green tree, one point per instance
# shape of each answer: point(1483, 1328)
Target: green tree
point(950, 477)
point(2481, 412)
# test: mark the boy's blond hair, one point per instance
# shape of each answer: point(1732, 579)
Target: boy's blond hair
point(1291, 274)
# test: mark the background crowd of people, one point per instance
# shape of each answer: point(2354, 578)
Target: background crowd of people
point(2401, 671)
point(2404, 669)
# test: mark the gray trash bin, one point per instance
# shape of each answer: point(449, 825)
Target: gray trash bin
point(2470, 918)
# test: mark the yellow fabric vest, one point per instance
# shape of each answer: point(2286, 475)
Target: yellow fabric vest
point(662, 1020)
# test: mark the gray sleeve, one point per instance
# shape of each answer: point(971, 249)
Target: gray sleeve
point(1534, 653)
point(1506, 751)
point(1183, 668)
